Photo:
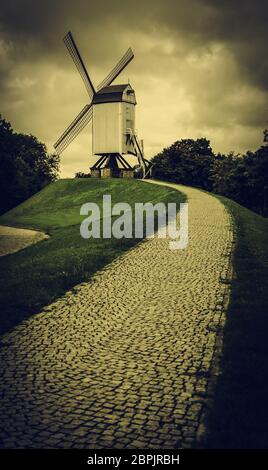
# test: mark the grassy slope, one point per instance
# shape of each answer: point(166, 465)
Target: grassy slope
point(239, 418)
point(42, 272)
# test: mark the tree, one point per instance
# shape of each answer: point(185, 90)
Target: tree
point(229, 177)
point(243, 178)
point(187, 161)
point(25, 166)
point(257, 163)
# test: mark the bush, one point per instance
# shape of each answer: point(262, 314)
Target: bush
point(80, 174)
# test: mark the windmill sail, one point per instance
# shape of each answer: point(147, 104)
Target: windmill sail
point(123, 62)
point(76, 126)
point(72, 48)
point(86, 114)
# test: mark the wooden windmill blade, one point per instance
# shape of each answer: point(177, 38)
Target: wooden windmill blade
point(123, 62)
point(75, 54)
point(76, 126)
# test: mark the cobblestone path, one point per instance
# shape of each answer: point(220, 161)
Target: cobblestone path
point(14, 239)
point(125, 360)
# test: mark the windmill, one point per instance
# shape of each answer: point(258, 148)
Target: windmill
point(111, 109)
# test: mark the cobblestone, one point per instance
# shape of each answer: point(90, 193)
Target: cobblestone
point(14, 239)
point(126, 360)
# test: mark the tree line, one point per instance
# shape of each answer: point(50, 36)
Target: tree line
point(25, 166)
point(243, 178)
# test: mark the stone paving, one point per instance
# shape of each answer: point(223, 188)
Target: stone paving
point(126, 359)
point(14, 239)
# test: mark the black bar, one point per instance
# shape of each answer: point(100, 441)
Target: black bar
point(131, 458)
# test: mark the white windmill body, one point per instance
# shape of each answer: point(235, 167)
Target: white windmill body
point(112, 111)
point(113, 118)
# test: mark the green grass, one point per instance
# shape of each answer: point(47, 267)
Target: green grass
point(239, 417)
point(37, 275)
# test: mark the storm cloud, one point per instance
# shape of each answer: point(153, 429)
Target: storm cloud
point(200, 68)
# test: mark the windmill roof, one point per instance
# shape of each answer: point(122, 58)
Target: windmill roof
point(111, 94)
point(113, 89)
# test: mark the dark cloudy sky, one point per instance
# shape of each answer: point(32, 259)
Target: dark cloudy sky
point(200, 68)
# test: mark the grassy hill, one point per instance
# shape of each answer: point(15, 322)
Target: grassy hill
point(239, 417)
point(37, 275)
